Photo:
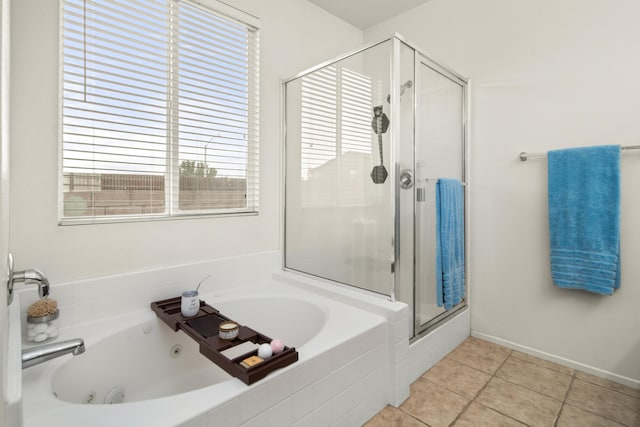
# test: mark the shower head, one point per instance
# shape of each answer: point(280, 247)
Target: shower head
point(406, 85)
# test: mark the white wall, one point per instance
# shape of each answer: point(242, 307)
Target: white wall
point(545, 74)
point(294, 35)
point(4, 190)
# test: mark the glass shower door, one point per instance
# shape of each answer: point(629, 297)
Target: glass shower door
point(439, 153)
point(338, 219)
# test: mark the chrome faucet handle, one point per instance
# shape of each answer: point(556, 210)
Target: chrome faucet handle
point(27, 276)
point(33, 276)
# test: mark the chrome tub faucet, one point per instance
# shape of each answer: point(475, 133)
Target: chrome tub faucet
point(43, 353)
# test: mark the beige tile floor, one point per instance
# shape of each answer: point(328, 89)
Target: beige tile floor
point(483, 384)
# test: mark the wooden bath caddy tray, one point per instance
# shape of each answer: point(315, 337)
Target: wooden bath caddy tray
point(203, 328)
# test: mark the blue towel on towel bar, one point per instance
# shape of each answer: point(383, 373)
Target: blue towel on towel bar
point(584, 218)
point(449, 242)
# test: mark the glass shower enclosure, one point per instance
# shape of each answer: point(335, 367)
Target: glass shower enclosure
point(367, 136)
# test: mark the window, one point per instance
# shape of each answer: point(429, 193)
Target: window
point(159, 110)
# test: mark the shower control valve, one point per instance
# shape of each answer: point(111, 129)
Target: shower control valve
point(406, 179)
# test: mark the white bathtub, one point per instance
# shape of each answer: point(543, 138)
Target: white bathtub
point(150, 360)
point(343, 375)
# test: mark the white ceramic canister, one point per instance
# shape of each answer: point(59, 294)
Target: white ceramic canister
point(190, 303)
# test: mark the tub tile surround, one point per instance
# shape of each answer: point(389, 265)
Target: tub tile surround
point(430, 349)
point(361, 394)
point(498, 386)
point(277, 399)
point(102, 297)
point(397, 315)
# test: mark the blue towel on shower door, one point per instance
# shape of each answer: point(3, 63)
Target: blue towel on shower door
point(449, 242)
point(584, 218)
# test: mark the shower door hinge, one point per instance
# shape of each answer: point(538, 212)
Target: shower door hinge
point(393, 267)
point(420, 194)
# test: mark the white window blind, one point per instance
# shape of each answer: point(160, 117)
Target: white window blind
point(159, 110)
point(319, 119)
point(336, 136)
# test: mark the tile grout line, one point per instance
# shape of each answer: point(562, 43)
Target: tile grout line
point(564, 400)
point(536, 391)
point(590, 411)
point(599, 384)
point(452, 391)
point(406, 413)
point(492, 377)
point(557, 416)
point(412, 416)
point(473, 400)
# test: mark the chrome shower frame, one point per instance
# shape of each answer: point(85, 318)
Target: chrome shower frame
point(419, 328)
point(397, 174)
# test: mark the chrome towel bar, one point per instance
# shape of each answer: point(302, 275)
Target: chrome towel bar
point(524, 155)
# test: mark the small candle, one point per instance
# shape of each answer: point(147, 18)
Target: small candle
point(228, 330)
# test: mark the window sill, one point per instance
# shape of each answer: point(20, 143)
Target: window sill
point(149, 218)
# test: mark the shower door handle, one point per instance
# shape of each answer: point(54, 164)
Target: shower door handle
point(406, 179)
